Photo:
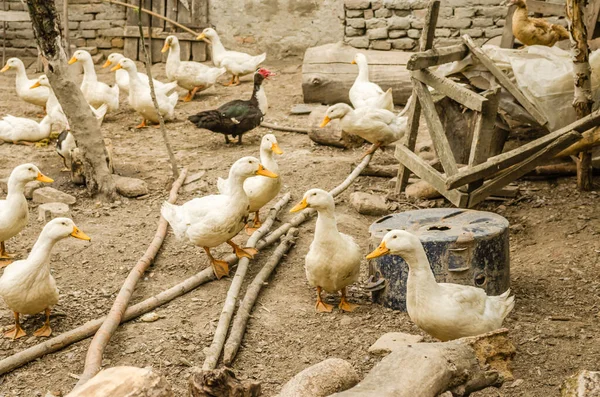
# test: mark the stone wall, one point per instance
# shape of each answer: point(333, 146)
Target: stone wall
point(397, 24)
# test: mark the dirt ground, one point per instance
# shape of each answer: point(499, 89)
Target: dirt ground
point(554, 254)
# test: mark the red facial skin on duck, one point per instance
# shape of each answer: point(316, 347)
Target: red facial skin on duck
point(265, 73)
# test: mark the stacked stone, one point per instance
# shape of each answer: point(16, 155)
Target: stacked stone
point(397, 24)
point(92, 23)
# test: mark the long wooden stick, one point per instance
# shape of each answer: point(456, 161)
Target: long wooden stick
point(243, 314)
point(172, 22)
point(214, 351)
point(93, 360)
point(88, 329)
point(161, 121)
point(283, 128)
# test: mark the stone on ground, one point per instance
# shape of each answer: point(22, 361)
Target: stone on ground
point(49, 211)
point(51, 195)
point(125, 382)
point(391, 341)
point(323, 379)
point(369, 204)
point(130, 187)
point(422, 190)
point(32, 186)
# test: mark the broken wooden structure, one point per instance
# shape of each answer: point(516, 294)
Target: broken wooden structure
point(191, 13)
point(488, 170)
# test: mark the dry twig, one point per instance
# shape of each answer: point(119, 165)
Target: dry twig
point(243, 314)
point(93, 360)
point(287, 129)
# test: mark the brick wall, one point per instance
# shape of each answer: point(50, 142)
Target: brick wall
point(397, 24)
point(92, 23)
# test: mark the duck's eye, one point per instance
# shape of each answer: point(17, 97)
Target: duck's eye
point(394, 236)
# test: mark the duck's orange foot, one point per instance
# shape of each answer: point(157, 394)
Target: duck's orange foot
point(323, 307)
point(44, 331)
point(245, 252)
point(141, 125)
point(15, 333)
point(221, 269)
point(347, 306)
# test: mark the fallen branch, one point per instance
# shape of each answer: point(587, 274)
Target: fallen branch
point(287, 129)
point(590, 139)
point(214, 351)
point(161, 121)
point(383, 171)
point(93, 360)
point(243, 313)
point(88, 329)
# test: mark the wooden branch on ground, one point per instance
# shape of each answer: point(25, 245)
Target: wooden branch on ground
point(93, 360)
point(214, 351)
point(286, 129)
point(461, 366)
point(88, 329)
point(383, 171)
point(590, 139)
point(243, 314)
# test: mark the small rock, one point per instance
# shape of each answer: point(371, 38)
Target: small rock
point(422, 190)
point(516, 383)
point(150, 317)
point(32, 186)
point(51, 195)
point(391, 341)
point(49, 211)
point(125, 381)
point(301, 108)
point(130, 187)
point(517, 227)
point(346, 321)
point(369, 204)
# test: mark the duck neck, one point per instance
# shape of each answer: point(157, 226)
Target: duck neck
point(134, 80)
point(267, 159)
point(521, 14)
point(236, 190)
point(419, 268)
point(363, 71)
point(326, 226)
point(16, 189)
point(21, 78)
point(46, 125)
point(217, 47)
point(259, 97)
point(40, 253)
point(174, 55)
point(89, 73)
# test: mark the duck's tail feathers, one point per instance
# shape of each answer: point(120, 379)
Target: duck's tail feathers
point(387, 100)
point(221, 185)
point(166, 88)
point(173, 214)
point(173, 98)
point(507, 303)
point(208, 119)
point(260, 58)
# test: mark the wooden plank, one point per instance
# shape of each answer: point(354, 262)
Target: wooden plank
point(185, 50)
point(409, 141)
point(428, 33)
point(184, 15)
point(546, 8)
point(158, 6)
point(134, 31)
point(198, 51)
point(171, 10)
point(426, 172)
point(508, 38)
point(436, 129)
point(131, 14)
point(592, 15)
point(504, 80)
point(451, 89)
point(130, 48)
point(523, 168)
point(483, 134)
point(199, 17)
point(157, 56)
point(437, 56)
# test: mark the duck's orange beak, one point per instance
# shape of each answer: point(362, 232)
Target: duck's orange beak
point(276, 149)
point(379, 251)
point(106, 64)
point(326, 121)
point(79, 234)
point(5, 68)
point(72, 60)
point(203, 38)
point(353, 62)
point(165, 47)
point(43, 178)
point(117, 67)
point(265, 172)
point(35, 85)
point(300, 206)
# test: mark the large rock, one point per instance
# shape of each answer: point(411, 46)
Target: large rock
point(422, 190)
point(49, 211)
point(31, 187)
point(51, 195)
point(583, 384)
point(125, 382)
point(391, 341)
point(327, 377)
point(130, 187)
point(369, 204)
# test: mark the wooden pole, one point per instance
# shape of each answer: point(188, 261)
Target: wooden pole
point(93, 360)
point(4, 25)
point(582, 78)
point(66, 27)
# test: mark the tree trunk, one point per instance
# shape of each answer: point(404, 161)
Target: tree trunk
point(86, 129)
point(582, 79)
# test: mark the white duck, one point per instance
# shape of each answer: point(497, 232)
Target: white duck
point(141, 100)
point(22, 130)
point(27, 286)
point(377, 126)
point(193, 76)
point(14, 212)
point(333, 259)
point(39, 96)
point(96, 93)
point(212, 220)
point(445, 311)
point(54, 110)
point(260, 190)
point(122, 78)
point(363, 93)
point(237, 63)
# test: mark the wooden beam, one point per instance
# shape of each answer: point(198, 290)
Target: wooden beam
point(426, 172)
point(436, 129)
point(508, 38)
point(451, 89)
point(437, 56)
point(504, 80)
point(428, 33)
point(546, 8)
point(523, 168)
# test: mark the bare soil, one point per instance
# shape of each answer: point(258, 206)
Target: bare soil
point(554, 252)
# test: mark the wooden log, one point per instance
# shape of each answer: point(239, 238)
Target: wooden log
point(331, 134)
point(221, 383)
point(322, 379)
point(125, 382)
point(590, 139)
point(461, 366)
point(437, 56)
point(383, 171)
point(327, 73)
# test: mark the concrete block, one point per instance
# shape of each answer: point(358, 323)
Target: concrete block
point(375, 34)
point(404, 44)
point(399, 22)
point(381, 45)
point(358, 42)
point(49, 211)
point(50, 195)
